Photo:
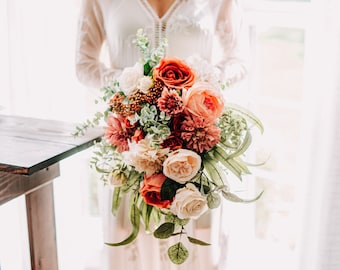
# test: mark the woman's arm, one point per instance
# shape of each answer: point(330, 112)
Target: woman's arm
point(233, 42)
point(91, 35)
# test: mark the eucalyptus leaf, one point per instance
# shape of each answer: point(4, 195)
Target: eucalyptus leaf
point(234, 198)
point(178, 253)
point(165, 230)
point(213, 200)
point(197, 241)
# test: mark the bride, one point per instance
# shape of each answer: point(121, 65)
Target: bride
point(208, 28)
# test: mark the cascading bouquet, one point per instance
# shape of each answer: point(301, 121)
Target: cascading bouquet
point(170, 142)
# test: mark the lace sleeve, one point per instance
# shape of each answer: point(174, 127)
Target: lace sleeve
point(91, 35)
point(232, 41)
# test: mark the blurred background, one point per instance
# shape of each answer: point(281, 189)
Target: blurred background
point(294, 55)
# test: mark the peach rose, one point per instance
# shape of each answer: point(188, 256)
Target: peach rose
point(151, 191)
point(182, 165)
point(174, 73)
point(203, 100)
point(144, 157)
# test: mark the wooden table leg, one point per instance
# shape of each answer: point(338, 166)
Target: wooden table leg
point(41, 228)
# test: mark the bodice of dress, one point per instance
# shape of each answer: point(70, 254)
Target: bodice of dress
point(207, 28)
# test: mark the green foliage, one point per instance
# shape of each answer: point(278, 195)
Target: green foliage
point(165, 230)
point(247, 115)
point(135, 221)
point(150, 56)
point(197, 241)
point(116, 200)
point(153, 122)
point(234, 198)
point(178, 253)
point(176, 220)
point(169, 188)
point(89, 123)
point(213, 200)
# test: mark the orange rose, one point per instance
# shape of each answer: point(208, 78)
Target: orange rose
point(174, 73)
point(203, 100)
point(151, 191)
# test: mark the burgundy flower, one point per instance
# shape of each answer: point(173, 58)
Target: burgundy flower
point(199, 135)
point(170, 102)
point(172, 142)
point(116, 133)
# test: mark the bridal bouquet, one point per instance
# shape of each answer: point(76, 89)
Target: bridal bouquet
point(170, 144)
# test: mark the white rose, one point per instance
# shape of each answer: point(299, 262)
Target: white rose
point(144, 84)
point(116, 179)
point(129, 78)
point(182, 165)
point(189, 202)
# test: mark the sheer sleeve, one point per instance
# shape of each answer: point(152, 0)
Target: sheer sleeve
point(232, 41)
point(91, 36)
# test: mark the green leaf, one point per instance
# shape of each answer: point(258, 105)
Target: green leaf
point(116, 200)
point(155, 215)
point(234, 198)
point(132, 180)
point(200, 186)
point(214, 172)
point(165, 230)
point(197, 242)
point(147, 69)
point(169, 217)
point(178, 253)
point(248, 115)
point(135, 220)
point(146, 214)
point(213, 200)
point(169, 188)
point(228, 163)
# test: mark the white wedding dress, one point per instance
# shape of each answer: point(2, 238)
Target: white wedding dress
point(208, 28)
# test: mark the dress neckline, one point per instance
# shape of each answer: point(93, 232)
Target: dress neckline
point(151, 11)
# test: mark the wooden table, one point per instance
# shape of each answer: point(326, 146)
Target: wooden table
point(30, 152)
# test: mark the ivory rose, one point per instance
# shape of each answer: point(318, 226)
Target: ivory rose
point(151, 190)
point(144, 84)
point(130, 77)
point(203, 100)
point(188, 202)
point(174, 73)
point(182, 165)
